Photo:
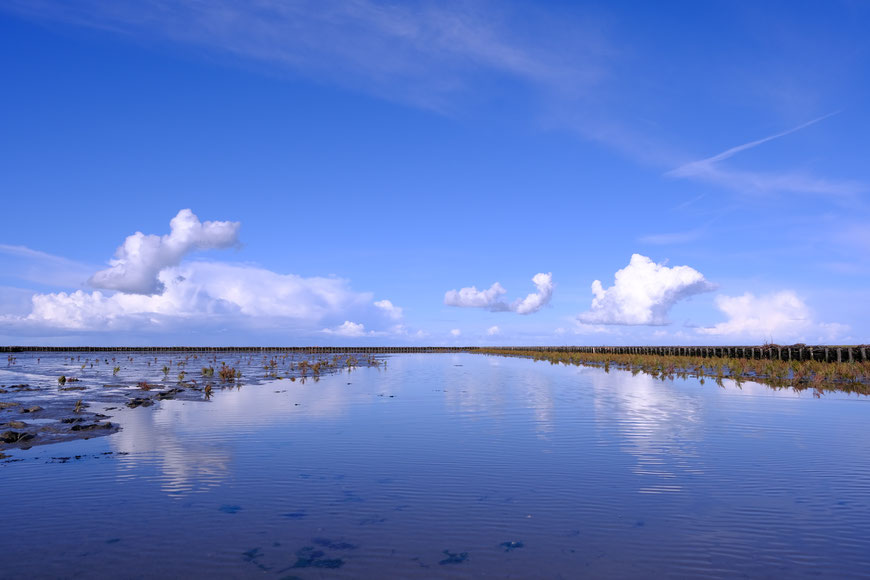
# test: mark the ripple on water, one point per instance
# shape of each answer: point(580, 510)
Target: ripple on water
point(428, 469)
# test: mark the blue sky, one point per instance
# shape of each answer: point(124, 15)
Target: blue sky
point(381, 173)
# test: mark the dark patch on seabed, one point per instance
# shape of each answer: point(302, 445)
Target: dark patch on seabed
point(453, 557)
point(510, 546)
point(332, 545)
point(316, 556)
point(310, 557)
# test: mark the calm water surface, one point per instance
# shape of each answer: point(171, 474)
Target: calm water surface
point(454, 466)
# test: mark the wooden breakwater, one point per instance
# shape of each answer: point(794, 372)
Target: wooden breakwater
point(796, 352)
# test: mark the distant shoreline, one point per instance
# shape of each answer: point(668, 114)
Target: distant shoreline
point(794, 352)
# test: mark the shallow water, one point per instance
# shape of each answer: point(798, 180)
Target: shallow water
point(445, 465)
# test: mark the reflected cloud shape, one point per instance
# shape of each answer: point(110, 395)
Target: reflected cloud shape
point(161, 437)
point(497, 387)
point(187, 440)
point(660, 426)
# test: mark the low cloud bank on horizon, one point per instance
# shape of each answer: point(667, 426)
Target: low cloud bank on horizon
point(154, 287)
point(156, 290)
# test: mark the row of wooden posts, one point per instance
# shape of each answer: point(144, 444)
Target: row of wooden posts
point(775, 352)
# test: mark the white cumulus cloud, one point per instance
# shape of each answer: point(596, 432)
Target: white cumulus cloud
point(349, 329)
point(400, 330)
point(140, 259)
point(778, 317)
point(491, 299)
point(493, 330)
point(537, 300)
point(390, 309)
point(150, 288)
point(455, 332)
point(473, 298)
point(643, 293)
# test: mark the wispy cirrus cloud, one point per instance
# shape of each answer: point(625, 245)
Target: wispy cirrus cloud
point(699, 166)
point(423, 53)
point(439, 56)
point(40, 267)
point(672, 237)
point(433, 55)
point(712, 170)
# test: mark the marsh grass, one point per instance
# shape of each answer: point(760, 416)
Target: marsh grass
point(800, 375)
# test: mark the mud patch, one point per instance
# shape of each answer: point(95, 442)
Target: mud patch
point(311, 557)
point(453, 557)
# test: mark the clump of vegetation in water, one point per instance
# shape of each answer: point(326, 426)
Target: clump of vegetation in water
point(208, 371)
point(228, 373)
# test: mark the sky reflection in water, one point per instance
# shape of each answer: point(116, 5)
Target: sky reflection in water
point(456, 465)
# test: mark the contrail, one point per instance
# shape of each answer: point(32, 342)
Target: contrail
point(698, 166)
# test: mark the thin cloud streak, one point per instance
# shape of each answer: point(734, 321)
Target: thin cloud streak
point(672, 238)
point(434, 56)
point(710, 170)
point(43, 268)
point(690, 168)
point(424, 55)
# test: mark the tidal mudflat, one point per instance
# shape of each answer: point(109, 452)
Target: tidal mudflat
point(429, 466)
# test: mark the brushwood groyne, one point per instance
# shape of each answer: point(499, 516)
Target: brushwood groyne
point(796, 352)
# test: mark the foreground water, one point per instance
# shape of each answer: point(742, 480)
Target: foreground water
point(454, 466)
